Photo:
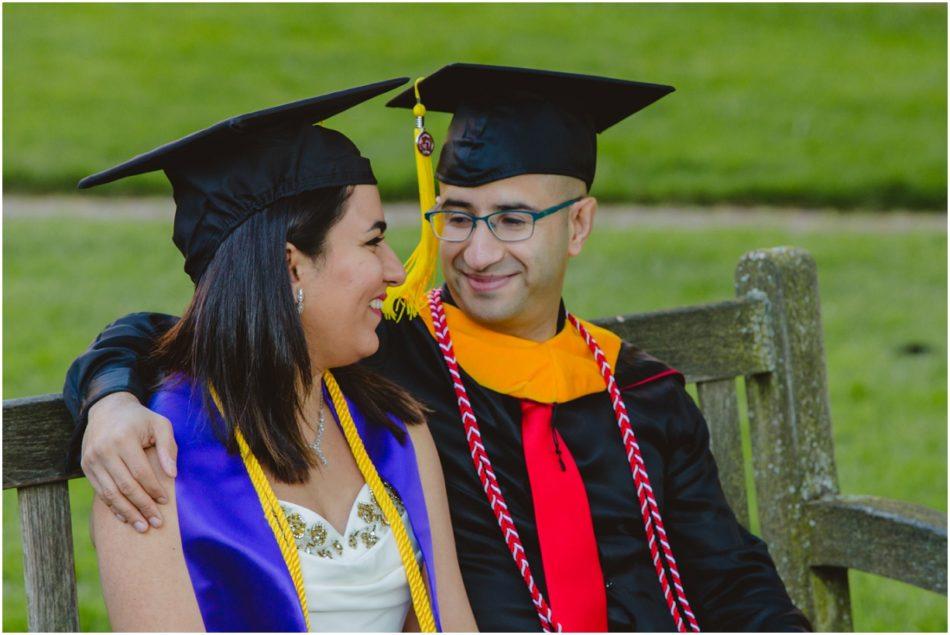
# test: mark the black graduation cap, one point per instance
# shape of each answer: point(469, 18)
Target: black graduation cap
point(222, 175)
point(509, 121)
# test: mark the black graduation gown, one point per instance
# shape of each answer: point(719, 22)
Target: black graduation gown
point(728, 576)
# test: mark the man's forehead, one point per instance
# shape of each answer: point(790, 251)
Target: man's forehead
point(530, 190)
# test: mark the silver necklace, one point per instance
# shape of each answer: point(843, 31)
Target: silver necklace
point(317, 440)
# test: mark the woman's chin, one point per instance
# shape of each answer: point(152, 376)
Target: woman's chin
point(371, 347)
point(365, 346)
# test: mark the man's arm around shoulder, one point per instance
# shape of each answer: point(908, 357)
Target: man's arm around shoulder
point(105, 386)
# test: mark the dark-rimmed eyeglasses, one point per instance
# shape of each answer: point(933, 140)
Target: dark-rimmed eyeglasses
point(508, 225)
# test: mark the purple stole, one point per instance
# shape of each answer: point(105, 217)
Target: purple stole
point(239, 576)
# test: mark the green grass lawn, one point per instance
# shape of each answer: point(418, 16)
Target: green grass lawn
point(65, 279)
point(840, 105)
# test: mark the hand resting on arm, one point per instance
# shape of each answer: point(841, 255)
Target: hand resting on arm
point(105, 386)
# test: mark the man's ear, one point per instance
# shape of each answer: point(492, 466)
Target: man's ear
point(581, 216)
point(292, 257)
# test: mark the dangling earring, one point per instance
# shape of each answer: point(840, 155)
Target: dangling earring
point(299, 301)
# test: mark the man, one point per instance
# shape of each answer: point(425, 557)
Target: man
point(582, 489)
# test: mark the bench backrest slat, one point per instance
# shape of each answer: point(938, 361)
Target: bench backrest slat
point(720, 406)
point(705, 342)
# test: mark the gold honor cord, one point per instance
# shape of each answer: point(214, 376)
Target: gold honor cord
point(281, 529)
point(417, 587)
point(409, 298)
point(274, 514)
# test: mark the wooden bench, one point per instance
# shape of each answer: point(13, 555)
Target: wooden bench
point(770, 335)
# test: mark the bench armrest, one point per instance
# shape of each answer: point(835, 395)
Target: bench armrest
point(895, 539)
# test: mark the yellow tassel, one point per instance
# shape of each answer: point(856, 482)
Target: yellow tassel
point(408, 298)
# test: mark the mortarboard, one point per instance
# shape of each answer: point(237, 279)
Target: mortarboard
point(507, 121)
point(223, 174)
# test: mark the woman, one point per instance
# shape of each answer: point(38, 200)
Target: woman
point(294, 507)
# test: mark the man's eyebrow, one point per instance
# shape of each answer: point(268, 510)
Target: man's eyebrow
point(499, 207)
point(380, 225)
point(450, 203)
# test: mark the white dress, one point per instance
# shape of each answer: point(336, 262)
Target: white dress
point(354, 581)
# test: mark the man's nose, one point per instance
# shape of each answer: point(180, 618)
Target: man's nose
point(483, 248)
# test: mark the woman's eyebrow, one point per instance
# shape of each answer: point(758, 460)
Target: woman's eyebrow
point(380, 225)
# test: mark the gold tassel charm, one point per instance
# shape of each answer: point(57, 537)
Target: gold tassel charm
point(409, 298)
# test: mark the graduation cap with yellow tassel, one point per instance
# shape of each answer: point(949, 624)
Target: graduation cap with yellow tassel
point(506, 121)
point(407, 299)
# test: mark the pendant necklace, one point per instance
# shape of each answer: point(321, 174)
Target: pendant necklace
point(315, 445)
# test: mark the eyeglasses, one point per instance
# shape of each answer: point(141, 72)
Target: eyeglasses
point(509, 225)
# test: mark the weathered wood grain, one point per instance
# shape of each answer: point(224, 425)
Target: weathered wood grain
point(790, 426)
point(36, 434)
point(706, 342)
point(895, 539)
point(48, 568)
point(720, 407)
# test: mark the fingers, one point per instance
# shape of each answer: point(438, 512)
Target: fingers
point(94, 481)
point(165, 445)
point(128, 481)
point(111, 495)
point(114, 459)
point(145, 477)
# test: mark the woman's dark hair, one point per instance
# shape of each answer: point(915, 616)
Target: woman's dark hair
point(242, 334)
